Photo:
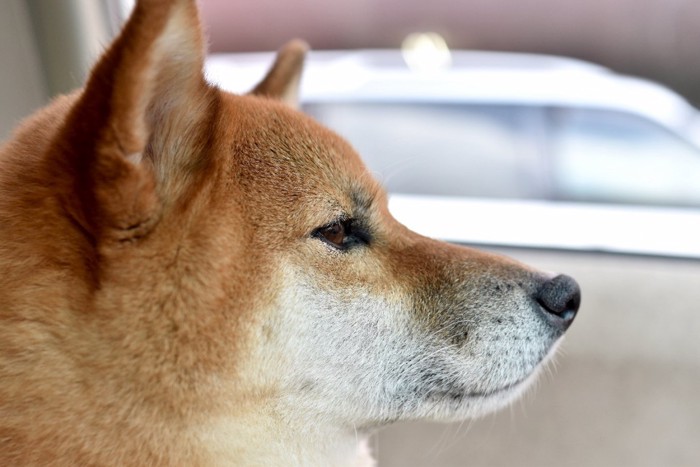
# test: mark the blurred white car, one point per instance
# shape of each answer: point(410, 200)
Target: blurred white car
point(511, 149)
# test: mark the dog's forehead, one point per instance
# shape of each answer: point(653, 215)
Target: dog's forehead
point(284, 153)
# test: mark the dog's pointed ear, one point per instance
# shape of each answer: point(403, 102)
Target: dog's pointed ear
point(137, 126)
point(283, 79)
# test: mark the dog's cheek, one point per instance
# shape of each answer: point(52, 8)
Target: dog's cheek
point(339, 351)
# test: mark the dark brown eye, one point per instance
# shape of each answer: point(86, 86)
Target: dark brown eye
point(343, 234)
point(334, 234)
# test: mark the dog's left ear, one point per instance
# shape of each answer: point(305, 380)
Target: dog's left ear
point(136, 136)
point(282, 81)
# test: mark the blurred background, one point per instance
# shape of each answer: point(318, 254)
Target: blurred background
point(559, 163)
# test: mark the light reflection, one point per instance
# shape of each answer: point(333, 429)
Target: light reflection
point(426, 51)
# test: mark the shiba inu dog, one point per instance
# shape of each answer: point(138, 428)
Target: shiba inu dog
point(191, 277)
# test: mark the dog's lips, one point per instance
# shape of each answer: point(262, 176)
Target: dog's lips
point(516, 385)
point(460, 394)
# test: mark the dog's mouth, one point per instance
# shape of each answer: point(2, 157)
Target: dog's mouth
point(503, 390)
point(457, 395)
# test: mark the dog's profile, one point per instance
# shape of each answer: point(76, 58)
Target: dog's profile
point(191, 277)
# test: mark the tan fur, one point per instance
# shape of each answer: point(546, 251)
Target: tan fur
point(159, 274)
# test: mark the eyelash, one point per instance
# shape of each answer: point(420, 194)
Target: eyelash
point(342, 234)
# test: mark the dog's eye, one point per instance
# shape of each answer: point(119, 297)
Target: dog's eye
point(343, 234)
point(335, 234)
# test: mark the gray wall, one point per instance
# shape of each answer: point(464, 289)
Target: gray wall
point(22, 87)
point(47, 48)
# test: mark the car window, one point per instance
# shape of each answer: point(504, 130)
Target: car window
point(614, 157)
point(444, 149)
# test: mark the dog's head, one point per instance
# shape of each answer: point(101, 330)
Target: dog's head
point(227, 258)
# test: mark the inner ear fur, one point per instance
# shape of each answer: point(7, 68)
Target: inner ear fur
point(283, 79)
point(148, 89)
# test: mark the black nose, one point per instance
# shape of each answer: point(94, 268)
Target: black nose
point(560, 297)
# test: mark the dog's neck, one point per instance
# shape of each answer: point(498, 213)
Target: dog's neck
point(262, 440)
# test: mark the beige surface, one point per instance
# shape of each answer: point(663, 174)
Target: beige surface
point(625, 390)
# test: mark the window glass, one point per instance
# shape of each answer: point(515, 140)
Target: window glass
point(444, 149)
point(613, 157)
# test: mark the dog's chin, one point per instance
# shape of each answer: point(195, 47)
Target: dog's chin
point(458, 404)
point(499, 398)
point(488, 401)
point(455, 405)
